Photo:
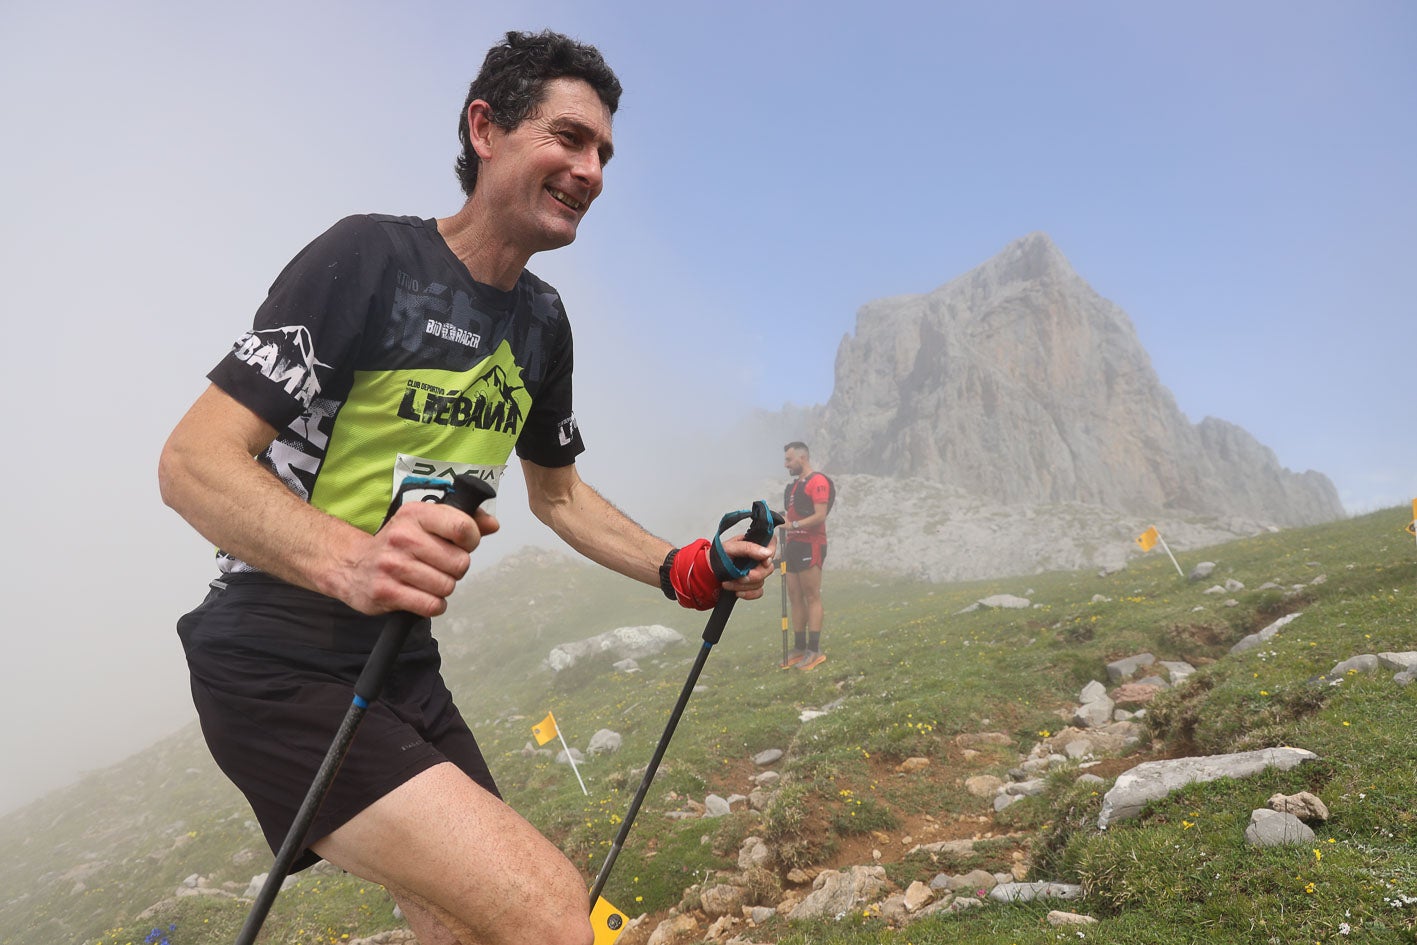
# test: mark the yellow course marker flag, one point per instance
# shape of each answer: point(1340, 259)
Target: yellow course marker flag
point(1412, 525)
point(1148, 539)
point(545, 730)
point(607, 921)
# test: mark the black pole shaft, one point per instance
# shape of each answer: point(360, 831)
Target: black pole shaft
point(712, 632)
point(366, 692)
point(295, 838)
point(467, 494)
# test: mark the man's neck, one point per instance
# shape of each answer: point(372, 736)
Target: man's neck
point(489, 260)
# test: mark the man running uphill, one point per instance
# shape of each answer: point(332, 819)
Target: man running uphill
point(807, 500)
point(396, 346)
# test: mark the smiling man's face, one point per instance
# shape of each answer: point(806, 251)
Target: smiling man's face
point(542, 176)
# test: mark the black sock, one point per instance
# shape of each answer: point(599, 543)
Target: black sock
point(799, 640)
point(815, 642)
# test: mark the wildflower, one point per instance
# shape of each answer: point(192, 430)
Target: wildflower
point(1318, 855)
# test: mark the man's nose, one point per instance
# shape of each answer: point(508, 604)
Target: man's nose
point(589, 170)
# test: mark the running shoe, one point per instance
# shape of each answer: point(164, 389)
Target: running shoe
point(812, 661)
point(794, 658)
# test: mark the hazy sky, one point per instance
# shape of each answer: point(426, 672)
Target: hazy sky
point(1237, 176)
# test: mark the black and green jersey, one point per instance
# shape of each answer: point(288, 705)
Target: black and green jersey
point(377, 356)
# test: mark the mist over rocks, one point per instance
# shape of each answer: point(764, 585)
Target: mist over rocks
point(1020, 385)
point(941, 533)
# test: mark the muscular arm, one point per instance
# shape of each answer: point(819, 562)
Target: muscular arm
point(587, 522)
point(208, 475)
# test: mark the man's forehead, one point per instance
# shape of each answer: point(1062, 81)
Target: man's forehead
point(574, 99)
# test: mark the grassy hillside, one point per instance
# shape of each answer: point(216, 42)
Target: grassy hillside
point(908, 676)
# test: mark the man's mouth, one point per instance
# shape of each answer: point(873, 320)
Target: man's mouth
point(566, 199)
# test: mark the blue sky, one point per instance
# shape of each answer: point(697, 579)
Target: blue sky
point(1236, 176)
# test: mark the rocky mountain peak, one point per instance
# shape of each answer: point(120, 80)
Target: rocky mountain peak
point(1018, 383)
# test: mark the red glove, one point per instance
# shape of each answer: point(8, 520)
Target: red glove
point(691, 576)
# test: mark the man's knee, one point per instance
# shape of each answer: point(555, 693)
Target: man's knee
point(561, 910)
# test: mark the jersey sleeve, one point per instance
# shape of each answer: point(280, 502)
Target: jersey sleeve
point(306, 332)
point(818, 490)
point(550, 436)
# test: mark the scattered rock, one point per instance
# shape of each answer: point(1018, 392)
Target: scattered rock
point(622, 643)
point(983, 785)
point(1060, 918)
point(835, 892)
point(1135, 694)
point(753, 853)
point(918, 896)
point(1028, 892)
point(722, 900)
point(1399, 662)
point(715, 806)
point(770, 756)
point(675, 929)
point(1366, 663)
point(1269, 828)
point(1256, 639)
point(911, 765)
point(1123, 669)
point(1153, 780)
point(604, 741)
point(1202, 571)
point(1303, 805)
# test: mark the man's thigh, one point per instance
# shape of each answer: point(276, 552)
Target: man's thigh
point(489, 875)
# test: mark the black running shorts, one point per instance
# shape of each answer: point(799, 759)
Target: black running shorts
point(273, 671)
point(801, 555)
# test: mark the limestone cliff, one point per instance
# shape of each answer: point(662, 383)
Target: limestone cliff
point(1018, 383)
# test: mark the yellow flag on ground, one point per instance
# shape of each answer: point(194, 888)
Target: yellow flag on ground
point(1412, 525)
point(1148, 539)
point(607, 921)
point(545, 730)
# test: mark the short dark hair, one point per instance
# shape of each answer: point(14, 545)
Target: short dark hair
point(797, 445)
point(513, 81)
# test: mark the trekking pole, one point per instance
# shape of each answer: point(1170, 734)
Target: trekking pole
point(759, 532)
point(464, 493)
point(782, 577)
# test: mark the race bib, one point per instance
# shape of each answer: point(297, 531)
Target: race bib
point(422, 466)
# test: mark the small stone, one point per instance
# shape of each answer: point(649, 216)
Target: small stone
point(1059, 918)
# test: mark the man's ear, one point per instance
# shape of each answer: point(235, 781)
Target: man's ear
point(480, 127)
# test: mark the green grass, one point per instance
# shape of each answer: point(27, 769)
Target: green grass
point(911, 675)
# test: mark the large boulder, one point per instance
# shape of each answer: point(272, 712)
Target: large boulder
point(1153, 780)
point(623, 643)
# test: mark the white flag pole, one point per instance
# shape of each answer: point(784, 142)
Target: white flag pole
point(1169, 554)
point(572, 759)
